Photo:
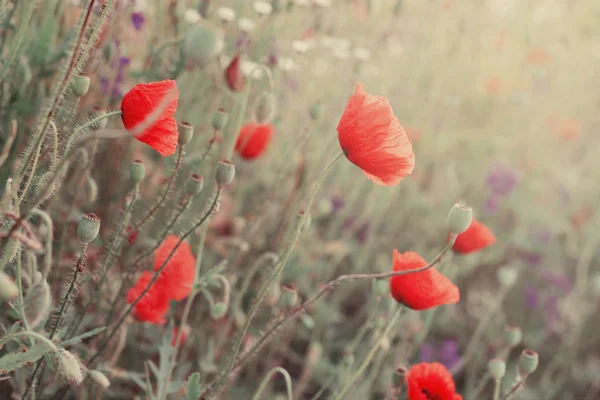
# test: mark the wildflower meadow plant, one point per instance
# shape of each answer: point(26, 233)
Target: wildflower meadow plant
point(298, 199)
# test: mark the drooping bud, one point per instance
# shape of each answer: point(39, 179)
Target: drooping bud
point(218, 310)
point(219, 120)
point(186, 132)
point(194, 185)
point(497, 368)
point(95, 113)
point(38, 303)
point(528, 362)
point(381, 287)
point(507, 276)
point(289, 296)
point(88, 228)
point(225, 173)
point(8, 288)
point(316, 111)
point(137, 172)
point(265, 108)
point(203, 44)
point(233, 74)
point(80, 85)
point(512, 335)
point(67, 367)
point(459, 218)
point(99, 379)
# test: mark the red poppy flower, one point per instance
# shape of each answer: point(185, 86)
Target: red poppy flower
point(180, 271)
point(253, 140)
point(431, 381)
point(233, 75)
point(477, 237)
point(373, 139)
point(420, 290)
point(154, 305)
point(140, 104)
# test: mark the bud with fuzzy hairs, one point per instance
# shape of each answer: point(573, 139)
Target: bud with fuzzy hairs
point(80, 85)
point(68, 367)
point(38, 303)
point(99, 378)
point(8, 289)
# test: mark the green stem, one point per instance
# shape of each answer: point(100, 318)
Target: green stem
point(33, 169)
point(31, 334)
point(496, 389)
point(86, 126)
point(20, 287)
point(267, 378)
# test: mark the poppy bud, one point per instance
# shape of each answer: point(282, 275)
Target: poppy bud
point(137, 171)
point(186, 132)
point(528, 362)
point(218, 310)
point(99, 379)
point(497, 369)
point(459, 218)
point(80, 85)
point(265, 108)
point(233, 74)
point(507, 276)
point(204, 8)
point(88, 228)
point(316, 111)
point(380, 287)
point(95, 113)
point(400, 376)
point(289, 296)
point(67, 367)
point(8, 288)
point(194, 185)
point(202, 44)
point(219, 120)
point(225, 173)
point(512, 335)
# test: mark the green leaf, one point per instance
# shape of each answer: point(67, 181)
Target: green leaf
point(175, 386)
point(18, 359)
point(86, 335)
point(192, 387)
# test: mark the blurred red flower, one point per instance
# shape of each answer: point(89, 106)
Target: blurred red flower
point(429, 381)
point(420, 290)
point(477, 237)
point(179, 274)
point(154, 305)
point(233, 75)
point(253, 140)
point(140, 104)
point(185, 332)
point(373, 139)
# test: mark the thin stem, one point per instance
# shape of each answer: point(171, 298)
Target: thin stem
point(369, 357)
point(155, 277)
point(496, 389)
point(267, 378)
point(32, 173)
point(86, 126)
point(513, 389)
point(31, 334)
point(20, 287)
point(274, 276)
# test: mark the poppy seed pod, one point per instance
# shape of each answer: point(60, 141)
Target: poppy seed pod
point(88, 228)
point(202, 44)
point(219, 120)
point(186, 132)
point(137, 172)
point(68, 368)
point(194, 185)
point(497, 368)
point(8, 288)
point(528, 361)
point(225, 173)
point(99, 379)
point(459, 218)
point(507, 276)
point(80, 85)
point(512, 335)
point(265, 108)
point(289, 296)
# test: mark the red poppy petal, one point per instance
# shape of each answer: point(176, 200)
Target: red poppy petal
point(427, 381)
point(253, 140)
point(476, 238)
point(180, 272)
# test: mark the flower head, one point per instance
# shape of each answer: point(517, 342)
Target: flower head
point(140, 106)
point(234, 76)
point(420, 290)
point(154, 305)
point(429, 381)
point(373, 139)
point(477, 237)
point(179, 273)
point(253, 140)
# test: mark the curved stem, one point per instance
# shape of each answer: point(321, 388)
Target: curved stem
point(267, 378)
point(86, 126)
point(31, 334)
point(281, 265)
point(267, 71)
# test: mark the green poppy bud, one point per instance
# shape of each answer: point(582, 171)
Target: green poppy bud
point(67, 366)
point(225, 173)
point(88, 228)
point(186, 132)
point(194, 185)
point(459, 218)
point(316, 111)
point(218, 310)
point(497, 368)
point(528, 362)
point(137, 172)
point(80, 85)
point(219, 120)
point(512, 335)
point(8, 288)
point(202, 44)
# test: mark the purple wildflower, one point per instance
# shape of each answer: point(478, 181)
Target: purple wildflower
point(337, 203)
point(137, 19)
point(501, 180)
point(426, 352)
point(449, 353)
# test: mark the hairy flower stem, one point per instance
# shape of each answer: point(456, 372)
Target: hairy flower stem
point(267, 378)
point(155, 277)
point(369, 357)
point(113, 250)
point(332, 285)
point(280, 266)
point(21, 306)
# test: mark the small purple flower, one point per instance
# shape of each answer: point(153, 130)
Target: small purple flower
point(560, 280)
point(337, 203)
point(502, 180)
point(532, 258)
point(349, 223)
point(449, 353)
point(426, 352)
point(104, 85)
point(137, 19)
point(273, 58)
